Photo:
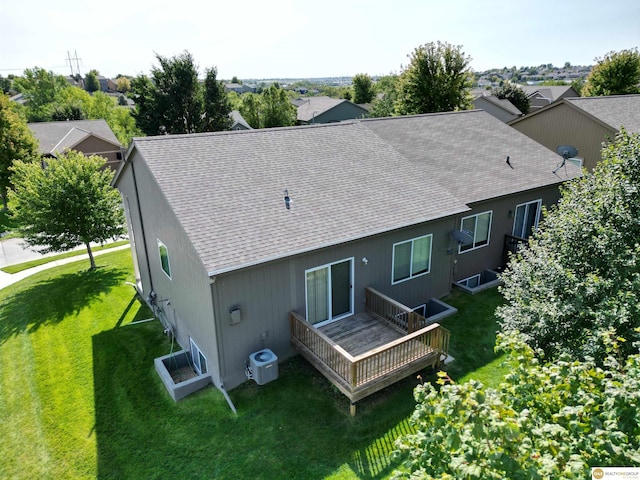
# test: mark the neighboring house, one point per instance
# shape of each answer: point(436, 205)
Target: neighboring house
point(541, 96)
point(584, 123)
point(238, 121)
point(250, 240)
point(91, 137)
point(240, 88)
point(501, 108)
point(312, 110)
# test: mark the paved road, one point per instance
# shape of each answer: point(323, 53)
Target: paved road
point(12, 251)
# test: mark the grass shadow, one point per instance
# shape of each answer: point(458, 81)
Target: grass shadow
point(49, 301)
point(296, 427)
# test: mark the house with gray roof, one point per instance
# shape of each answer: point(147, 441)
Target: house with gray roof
point(91, 137)
point(583, 122)
point(501, 108)
point(238, 122)
point(542, 95)
point(322, 109)
point(302, 239)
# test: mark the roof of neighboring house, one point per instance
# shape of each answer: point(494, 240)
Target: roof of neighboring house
point(346, 180)
point(551, 92)
point(502, 103)
point(55, 137)
point(238, 119)
point(314, 106)
point(614, 110)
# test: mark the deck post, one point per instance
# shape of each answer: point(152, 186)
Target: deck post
point(352, 409)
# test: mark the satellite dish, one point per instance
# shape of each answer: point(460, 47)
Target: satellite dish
point(463, 237)
point(566, 151)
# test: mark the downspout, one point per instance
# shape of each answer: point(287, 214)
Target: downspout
point(212, 283)
point(144, 236)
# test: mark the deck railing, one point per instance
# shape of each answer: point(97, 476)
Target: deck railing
point(512, 243)
point(359, 372)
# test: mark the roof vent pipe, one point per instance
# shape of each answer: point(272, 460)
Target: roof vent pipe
point(287, 199)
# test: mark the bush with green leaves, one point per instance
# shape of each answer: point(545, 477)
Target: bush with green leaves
point(577, 283)
point(544, 421)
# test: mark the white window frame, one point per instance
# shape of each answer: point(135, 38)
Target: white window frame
point(328, 266)
point(473, 243)
point(163, 245)
point(577, 161)
point(196, 358)
point(411, 275)
point(526, 205)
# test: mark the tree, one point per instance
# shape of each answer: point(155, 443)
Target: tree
point(578, 281)
point(617, 73)
point(437, 79)
point(363, 91)
point(123, 84)
point(173, 100)
point(40, 88)
point(251, 109)
point(16, 143)
point(91, 82)
point(385, 105)
point(551, 420)
point(70, 202)
point(277, 109)
point(216, 104)
point(515, 95)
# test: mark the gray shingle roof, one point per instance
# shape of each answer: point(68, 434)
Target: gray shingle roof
point(466, 153)
point(347, 181)
point(552, 92)
point(502, 103)
point(615, 110)
point(55, 137)
point(314, 106)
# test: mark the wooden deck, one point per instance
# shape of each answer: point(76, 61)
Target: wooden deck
point(361, 333)
point(367, 352)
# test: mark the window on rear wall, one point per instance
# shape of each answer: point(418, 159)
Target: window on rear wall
point(163, 251)
point(411, 258)
point(478, 227)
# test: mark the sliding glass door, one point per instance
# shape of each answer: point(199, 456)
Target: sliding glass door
point(329, 292)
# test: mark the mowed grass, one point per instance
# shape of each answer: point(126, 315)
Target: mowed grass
point(79, 397)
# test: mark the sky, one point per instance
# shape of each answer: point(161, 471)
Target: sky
point(259, 39)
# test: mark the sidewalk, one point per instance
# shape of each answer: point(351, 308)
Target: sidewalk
point(7, 279)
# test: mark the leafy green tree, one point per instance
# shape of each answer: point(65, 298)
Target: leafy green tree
point(617, 73)
point(40, 88)
point(384, 106)
point(147, 115)
point(363, 91)
point(123, 125)
point(515, 95)
point(277, 109)
point(578, 281)
point(251, 109)
point(5, 84)
point(234, 79)
point(16, 143)
point(123, 84)
point(91, 82)
point(70, 202)
point(544, 421)
point(437, 79)
point(216, 104)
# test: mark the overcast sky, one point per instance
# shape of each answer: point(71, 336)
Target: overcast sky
point(300, 39)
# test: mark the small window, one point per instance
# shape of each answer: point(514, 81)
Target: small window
point(198, 358)
point(478, 227)
point(471, 282)
point(411, 258)
point(164, 258)
point(577, 161)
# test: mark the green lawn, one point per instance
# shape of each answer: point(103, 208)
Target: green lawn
point(79, 397)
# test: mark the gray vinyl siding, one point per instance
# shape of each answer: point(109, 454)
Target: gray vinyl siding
point(491, 256)
point(265, 294)
point(186, 298)
point(343, 111)
point(564, 125)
